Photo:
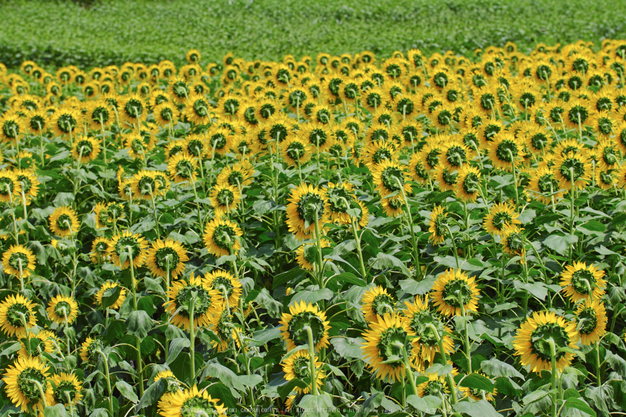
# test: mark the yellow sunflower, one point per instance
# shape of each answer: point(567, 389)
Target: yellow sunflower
point(190, 402)
point(195, 292)
point(227, 285)
point(298, 366)
point(129, 247)
point(376, 302)
point(100, 250)
point(46, 342)
point(63, 222)
point(167, 256)
point(421, 321)
point(108, 289)
point(499, 217)
point(22, 381)
point(592, 320)
point(224, 198)
point(572, 169)
point(89, 350)
point(29, 184)
point(385, 343)
point(505, 151)
point(468, 183)
point(239, 175)
point(295, 323)
point(455, 292)
point(9, 186)
point(513, 241)
point(66, 389)
point(582, 282)
point(221, 237)
point(544, 185)
point(390, 177)
point(436, 385)
point(62, 309)
point(306, 203)
point(535, 337)
point(306, 254)
point(16, 311)
point(182, 167)
point(438, 226)
point(18, 261)
point(144, 185)
point(86, 149)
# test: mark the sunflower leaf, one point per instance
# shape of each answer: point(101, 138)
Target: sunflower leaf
point(139, 323)
point(176, 346)
point(127, 391)
point(578, 404)
point(55, 411)
point(496, 368)
point(316, 405)
point(477, 381)
point(480, 408)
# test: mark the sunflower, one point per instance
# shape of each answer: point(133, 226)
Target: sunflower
point(438, 225)
point(238, 175)
point(436, 385)
point(197, 109)
point(390, 177)
point(375, 303)
point(592, 321)
point(468, 183)
point(499, 217)
point(505, 150)
point(226, 284)
point(23, 380)
point(99, 114)
point(106, 290)
point(11, 127)
point(454, 293)
point(421, 321)
point(18, 261)
point(65, 121)
point(296, 151)
point(385, 344)
point(166, 114)
point(190, 402)
point(544, 185)
point(132, 109)
point(86, 149)
point(89, 350)
point(377, 152)
point(182, 167)
point(224, 199)
point(513, 241)
point(306, 204)
point(63, 222)
point(195, 292)
point(100, 250)
point(221, 237)
point(535, 337)
point(9, 186)
point(37, 122)
point(35, 345)
point(166, 256)
point(298, 366)
point(29, 184)
point(66, 388)
point(15, 311)
point(295, 323)
point(135, 144)
point(125, 246)
point(306, 254)
point(582, 282)
point(62, 309)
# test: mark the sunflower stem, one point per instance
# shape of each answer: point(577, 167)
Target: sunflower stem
point(133, 286)
point(320, 259)
point(309, 333)
point(468, 353)
point(456, 254)
point(414, 242)
point(41, 391)
point(359, 252)
point(553, 376)
point(108, 378)
point(514, 179)
point(408, 369)
point(442, 351)
point(192, 338)
point(154, 213)
point(598, 365)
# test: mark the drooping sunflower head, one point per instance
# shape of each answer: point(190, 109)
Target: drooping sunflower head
point(295, 326)
point(64, 222)
point(298, 366)
point(44, 341)
point(436, 385)
point(100, 249)
point(390, 177)
point(438, 226)
point(165, 257)
point(591, 321)
point(542, 336)
point(193, 297)
point(62, 309)
point(221, 237)
point(455, 293)
point(228, 286)
point(307, 205)
point(9, 186)
point(572, 170)
point(190, 403)
point(18, 261)
point(499, 217)
point(386, 344)
point(182, 167)
point(66, 388)
point(23, 379)
point(109, 289)
point(582, 282)
point(144, 185)
point(224, 198)
point(89, 350)
point(126, 248)
point(513, 241)
point(17, 313)
point(376, 302)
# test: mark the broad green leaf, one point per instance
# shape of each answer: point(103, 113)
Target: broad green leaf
point(560, 244)
point(348, 347)
point(497, 368)
point(139, 323)
point(316, 405)
point(580, 405)
point(348, 277)
point(56, 411)
point(110, 296)
point(127, 391)
point(480, 408)
point(152, 394)
point(176, 346)
point(293, 275)
point(477, 381)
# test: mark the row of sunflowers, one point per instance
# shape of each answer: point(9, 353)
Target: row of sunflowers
point(348, 235)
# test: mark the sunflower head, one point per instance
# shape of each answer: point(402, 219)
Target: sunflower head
point(64, 222)
point(108, 289)
point(221, 237)
point(583, 282)
point(126, 248)
point(302, 317)
point(66, 388)
point(193, 297)
point(190, 402)
point(18, 261)
point(17, 313)
point(455, 294)
point(436, 385)
point(298, 366)
point(591, 321)
point(63, 309)
point(23, 380)
point(438, 226)
point(376, 302)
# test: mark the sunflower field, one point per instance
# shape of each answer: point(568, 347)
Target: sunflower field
point(348, 235)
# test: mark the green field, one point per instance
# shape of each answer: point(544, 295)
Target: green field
point(56, 33)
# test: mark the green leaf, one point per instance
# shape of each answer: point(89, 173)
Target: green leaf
point(55, 411)
point(348, 347)
point(496, 368)
point(593, 226)
point(152, 394)
point(560, 244)
point(176, 346)
point(477, 381)
point(316, 405)
point(261, 337)
point(251, 380)
point(139, 323)
point(294, 275)
point(480, 408)
point(285, 390)
point(312, 296)
point(425, 404)
point(225, 375)
point(580, 405)
point(383, 261)
point(413, 287)
point(110, 296)
point(127, 391)
point(348, 277)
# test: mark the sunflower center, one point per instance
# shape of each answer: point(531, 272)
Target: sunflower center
point(515, 242)
point(224, 236)
point(434, 388)
point(444, 117)
point(609, 155)
point(587, 321)
point(200, 297)
point(184, 169)
point(201, 108)
point(102, 247)
point(133, 108)
point(62, 309)
point(100, 114)
point(583, 281)
point(147, 185)
point(539, 341)
point(66, 123)
point(392, 340)
point(457, 293)
point(441, 225)
point(420, 325)
point(507, 151)
point(373, 99)
point(392, 179)
point(18, 260)
point(380, 155)
point(456, 156)
point(166, 257)
point(195, 147)
point(572, 169)
point(197, 407)
point(231, 106)
point(220, 282)
point(225, 197)
point(218, 141)
point(17, 314)
point(128, 244)
point(137, 145)
point(65, 392)
point(382, 304)
point(339, 199)
point(301, 367)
